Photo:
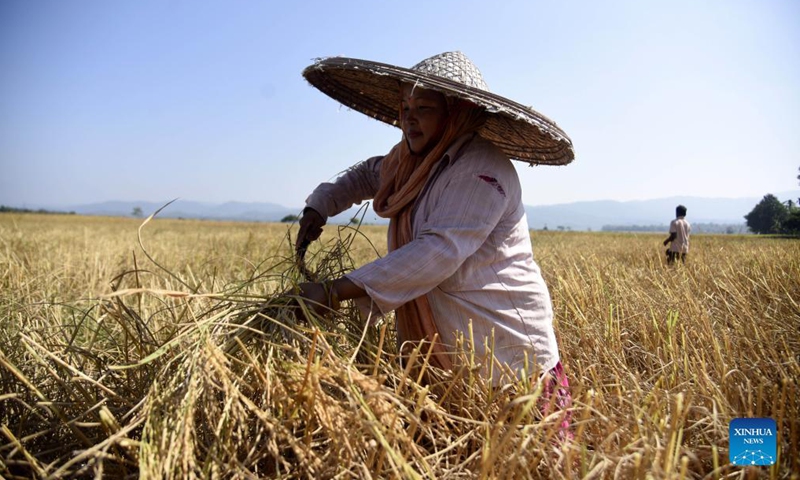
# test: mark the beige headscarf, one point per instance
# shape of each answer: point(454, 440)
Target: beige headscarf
point(402, 177)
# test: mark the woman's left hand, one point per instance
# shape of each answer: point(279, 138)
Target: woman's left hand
point(317, 297)
point(324, 298)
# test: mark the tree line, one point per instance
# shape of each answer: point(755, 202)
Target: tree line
point(727, 228)
point(6, 209)
point(771, 216)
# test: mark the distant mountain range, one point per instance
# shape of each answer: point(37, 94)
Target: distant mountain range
point(242, 211)
point(596, 214)
point(574, 216)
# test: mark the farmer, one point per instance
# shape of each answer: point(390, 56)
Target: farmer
point(459, 245)
point(678, 239)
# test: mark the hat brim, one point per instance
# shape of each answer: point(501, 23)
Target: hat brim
point(372, 88)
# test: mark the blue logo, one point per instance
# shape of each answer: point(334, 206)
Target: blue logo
point(753, 441)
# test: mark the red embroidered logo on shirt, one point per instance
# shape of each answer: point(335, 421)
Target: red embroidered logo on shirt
point(493, 182)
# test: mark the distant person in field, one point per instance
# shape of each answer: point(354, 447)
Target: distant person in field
point(459, 244)
point(678, 239)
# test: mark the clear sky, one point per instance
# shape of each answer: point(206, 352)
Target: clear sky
point(151, 100)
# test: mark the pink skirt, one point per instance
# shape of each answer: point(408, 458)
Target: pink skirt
point(556, 398)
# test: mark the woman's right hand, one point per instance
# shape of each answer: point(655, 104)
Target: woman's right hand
point(311, 224)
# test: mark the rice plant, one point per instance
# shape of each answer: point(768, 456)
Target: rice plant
point(175, 350)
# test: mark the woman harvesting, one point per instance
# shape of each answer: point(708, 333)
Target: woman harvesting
point(459, 246)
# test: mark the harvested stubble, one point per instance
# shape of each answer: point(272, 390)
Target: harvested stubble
point(159, 379)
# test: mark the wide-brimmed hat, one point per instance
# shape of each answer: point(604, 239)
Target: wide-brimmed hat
point(372, 88)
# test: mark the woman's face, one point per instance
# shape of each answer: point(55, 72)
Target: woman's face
point(423, 118)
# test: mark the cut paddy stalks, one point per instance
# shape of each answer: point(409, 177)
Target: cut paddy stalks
point(192, 361)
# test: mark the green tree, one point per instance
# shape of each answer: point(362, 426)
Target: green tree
point(792, 223)
point(137, 212)
point(767, 216)
point(290, 218)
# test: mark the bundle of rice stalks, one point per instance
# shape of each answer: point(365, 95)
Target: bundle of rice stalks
point(164, 380)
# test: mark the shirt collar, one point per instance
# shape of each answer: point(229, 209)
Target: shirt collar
point(451, 154)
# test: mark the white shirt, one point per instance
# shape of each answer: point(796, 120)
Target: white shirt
point(681, 228)
point(471, 254)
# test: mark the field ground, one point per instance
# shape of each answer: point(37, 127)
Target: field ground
point(116, 364)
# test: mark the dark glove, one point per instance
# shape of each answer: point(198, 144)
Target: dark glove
point(311, 224)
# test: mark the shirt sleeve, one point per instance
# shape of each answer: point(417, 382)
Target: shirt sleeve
point(357, 184)
point(673, 227)
point(460, 222)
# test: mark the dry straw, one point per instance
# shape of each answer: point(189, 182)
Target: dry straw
point(176, 374)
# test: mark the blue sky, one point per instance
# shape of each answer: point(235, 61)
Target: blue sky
point(152, 100)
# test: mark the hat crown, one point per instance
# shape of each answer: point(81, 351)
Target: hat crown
point(453, 66)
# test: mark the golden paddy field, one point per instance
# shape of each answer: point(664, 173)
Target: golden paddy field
point(125, 359)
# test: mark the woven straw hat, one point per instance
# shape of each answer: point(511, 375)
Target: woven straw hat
point(373, 89)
